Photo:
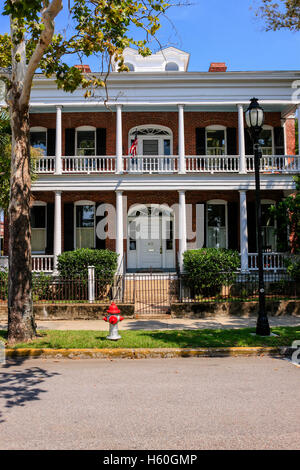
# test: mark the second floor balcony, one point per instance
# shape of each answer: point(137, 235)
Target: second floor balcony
point(161, 164)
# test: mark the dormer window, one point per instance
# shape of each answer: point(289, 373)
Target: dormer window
point(130, 66)
point(171, 67)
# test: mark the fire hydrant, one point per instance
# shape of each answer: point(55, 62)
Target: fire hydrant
point(113, 319)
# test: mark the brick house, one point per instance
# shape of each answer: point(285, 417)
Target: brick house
point(191, 182)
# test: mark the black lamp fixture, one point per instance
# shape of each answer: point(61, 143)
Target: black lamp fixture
point(255, 119)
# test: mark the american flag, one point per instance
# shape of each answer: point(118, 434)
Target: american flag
point(133, 148)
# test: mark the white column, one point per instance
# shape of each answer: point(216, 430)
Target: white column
point(243, 231)
point(119, 145)
point(58, 146)
point(241, 139)
point(119, 230)
point(57, 228)
point(299, 129)
point(182, 228)
point(181, 144)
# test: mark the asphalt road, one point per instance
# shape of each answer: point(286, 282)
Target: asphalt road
point(230, 403)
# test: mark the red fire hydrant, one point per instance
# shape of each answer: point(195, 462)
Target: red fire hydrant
point(113, 317)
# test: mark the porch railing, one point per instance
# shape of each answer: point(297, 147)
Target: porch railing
point(212, 164)
point(153, 164)
point(271, 261)
point(42, 263)
point(150, 164)
point(88, 164)
point(275, 163)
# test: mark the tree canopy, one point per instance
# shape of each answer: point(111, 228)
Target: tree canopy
point(280, 14)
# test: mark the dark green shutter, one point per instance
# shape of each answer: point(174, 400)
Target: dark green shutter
point(248, 143)
point(51, 137)
point(200, 141)
point(50, 228)
point(70, 142)
point(282, 233)
point(100, 244)
point(69, 226)
point(279, 140)
point(251, 217)
point(231, 141)
point(101, 141)
point(233, 225)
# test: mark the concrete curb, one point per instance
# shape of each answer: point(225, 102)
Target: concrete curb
point(146, 353)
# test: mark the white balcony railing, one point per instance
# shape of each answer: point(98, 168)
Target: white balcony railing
point(271, 261)
point(88, 164)
point(40, 263)
point(277, 164)
point(150, 164)
point(212, 164)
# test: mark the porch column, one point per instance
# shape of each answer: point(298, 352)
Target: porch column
point(181, 144)
point(58, 146)
point(57, 229)
point(241, 139)
point(243, 231)
point(182, 228)
point(119, 146)
point(119, 230)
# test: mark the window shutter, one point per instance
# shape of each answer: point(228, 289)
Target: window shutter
point(200, 141)
point(51, 137)
point(50, 228)
point(68, 226)
point(101, 141)
point(248, 143)
point(232, 228)
point(279, 140)
point(282, 234)
point(70, 142)
point(251, 218)
point(200, 225)
point(100, 243)
point(231, 141)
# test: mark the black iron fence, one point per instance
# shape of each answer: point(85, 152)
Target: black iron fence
point(159, 291)
point(231, 287)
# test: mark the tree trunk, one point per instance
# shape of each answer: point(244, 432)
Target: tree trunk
point(21, 323)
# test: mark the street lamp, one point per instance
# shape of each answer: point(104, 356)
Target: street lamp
point(255, 120)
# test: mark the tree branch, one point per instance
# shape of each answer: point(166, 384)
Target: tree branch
point(48, 15)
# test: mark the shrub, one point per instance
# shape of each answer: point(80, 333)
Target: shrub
point(74, 264)
point(41, 286)
point(293, 267)
point(3, 283)
point(208, 269)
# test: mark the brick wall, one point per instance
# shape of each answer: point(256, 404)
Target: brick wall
point(192, 120)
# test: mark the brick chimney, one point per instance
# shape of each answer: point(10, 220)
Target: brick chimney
point(84, 68)
point(218, 67)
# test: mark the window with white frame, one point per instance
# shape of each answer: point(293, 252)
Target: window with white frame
point(38, 218)
point(268, 223)
point(152, 140)
point(85, 141)
point(266, 140)
point(216, 216)
point(171, 67)
point(84, 224)
point(215, 140)
point(38, 139)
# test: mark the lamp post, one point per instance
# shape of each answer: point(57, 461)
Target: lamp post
point(255, 119)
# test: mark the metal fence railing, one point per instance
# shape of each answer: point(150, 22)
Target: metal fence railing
point(231, 287)
point(156, 292)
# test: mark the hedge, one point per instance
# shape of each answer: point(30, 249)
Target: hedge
point(74, 264)
point(208, 269)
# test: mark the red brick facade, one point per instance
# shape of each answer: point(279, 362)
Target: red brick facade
point(192, 120)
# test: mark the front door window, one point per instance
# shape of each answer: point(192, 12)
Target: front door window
point(38, 229)
point(268, 228)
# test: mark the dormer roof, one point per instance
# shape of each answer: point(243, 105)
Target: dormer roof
point(169, 59)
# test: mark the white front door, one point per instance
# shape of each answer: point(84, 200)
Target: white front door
point(150, 242)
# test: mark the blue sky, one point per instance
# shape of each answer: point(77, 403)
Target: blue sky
point(220, 31)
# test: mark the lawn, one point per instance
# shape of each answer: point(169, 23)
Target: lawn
point(160, 339)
